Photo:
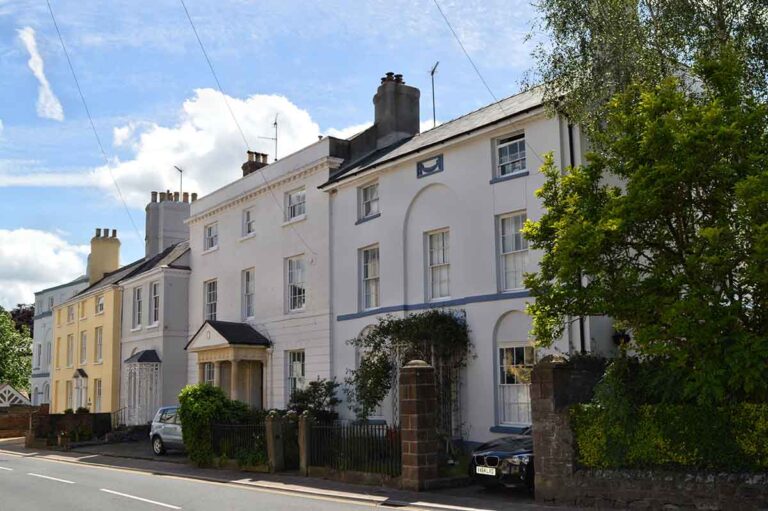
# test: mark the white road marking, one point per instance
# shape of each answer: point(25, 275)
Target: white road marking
point(6, 468)
point(169, 506)
point(51, 478)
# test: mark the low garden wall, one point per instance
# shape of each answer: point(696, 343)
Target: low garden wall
point(14, 420)
point(557, 390)
point(78, 427)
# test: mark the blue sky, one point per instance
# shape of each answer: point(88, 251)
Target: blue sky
point(154, 103)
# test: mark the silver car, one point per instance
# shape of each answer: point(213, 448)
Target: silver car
point(165, 432)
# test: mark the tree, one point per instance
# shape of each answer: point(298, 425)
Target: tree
point(15, 353)
point(596, 48)
point(24, 316)
point(666, 230)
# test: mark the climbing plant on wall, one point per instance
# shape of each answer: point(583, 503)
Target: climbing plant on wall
point(439, 337)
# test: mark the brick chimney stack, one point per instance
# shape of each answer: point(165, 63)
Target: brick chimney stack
point(396, 110)
point(255, 162)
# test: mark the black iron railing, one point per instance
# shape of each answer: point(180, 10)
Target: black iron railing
point(246, 443)
point(360, 447)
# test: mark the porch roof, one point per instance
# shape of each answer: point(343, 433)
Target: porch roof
point(143, 357)
point(233, 333)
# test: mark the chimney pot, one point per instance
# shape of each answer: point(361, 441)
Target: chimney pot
point(399, 78)
point(175, 196)
point(106, 231)
point(390, 76)
point(114, 233)
point(98, 233)
point(162, 196)
point(194, 197)
point(253, 156)
point(154, 196)
point(185, 197)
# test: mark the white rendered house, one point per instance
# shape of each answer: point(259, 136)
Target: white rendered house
point(42, 345)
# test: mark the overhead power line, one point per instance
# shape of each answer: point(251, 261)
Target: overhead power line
point(90, 119)
point(277, 202)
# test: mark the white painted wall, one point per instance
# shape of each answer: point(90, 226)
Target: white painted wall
point(266, 251)
point(462, 199)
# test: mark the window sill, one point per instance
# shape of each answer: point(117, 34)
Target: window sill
point(247, 236)
point(370, 309)
point(368, 218)
point(499, 179)
point(510, 429)
point(136, 329)
point(99, 313)
point(100, 362)
point(295, 220)
point(296, 311)
point(210, 250)
point(438, 300)
point(153, 326)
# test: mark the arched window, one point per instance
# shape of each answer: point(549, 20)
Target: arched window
point(35, 393)
point(46, 391)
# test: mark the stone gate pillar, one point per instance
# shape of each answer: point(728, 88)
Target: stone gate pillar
point(418, 402)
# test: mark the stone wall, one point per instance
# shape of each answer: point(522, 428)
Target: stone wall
point(556, 386)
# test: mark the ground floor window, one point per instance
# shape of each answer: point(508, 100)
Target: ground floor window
point(514, 381)
point(296, 371)
point(46, 393)
point(97, 395)
point(69, 396)
point(208, 374)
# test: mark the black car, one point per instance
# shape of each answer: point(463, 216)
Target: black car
point(506, 461)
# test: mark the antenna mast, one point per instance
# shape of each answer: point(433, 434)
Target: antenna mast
point(181, 179)
point(432, 74)
point(274, 124)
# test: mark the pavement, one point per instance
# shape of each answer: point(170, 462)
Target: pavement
point(93, 480)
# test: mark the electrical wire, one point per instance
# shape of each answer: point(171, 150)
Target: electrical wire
point(477, 71)
point(237, 124)
point(90, 120)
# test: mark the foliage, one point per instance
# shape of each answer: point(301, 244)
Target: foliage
point(253, 457)
point(200, 406)
point(318, 398)
point(730, 437)
point(439, 337)
point(82, 409)
point(68, 411)
point(634, 422)
point(24, 316)
point(15, 353)
point(598, 48)
point(677, 252)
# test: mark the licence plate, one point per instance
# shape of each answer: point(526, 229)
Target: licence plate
point(488, 471)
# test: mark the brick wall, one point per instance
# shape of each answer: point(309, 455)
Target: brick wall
point(418, 401)
point(14, 420)
point(555, 386)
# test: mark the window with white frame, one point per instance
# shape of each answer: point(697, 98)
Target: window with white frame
point(369, 200)
point(70, 350)
point(296, 283)
point(248, 293)
point(438, 265)
point(82, 306)
point(510, 155)
point(48, 354)
point(58, 352)
point(46, 393)
point(249, 224)
point(97, 395)
point(98, 344)
point(70, 313)
point(513, 251)
point(295, 204)
point(514, 378)
point(83, 347)
point(211, 239)
point(369, 275)
point(295, 371)
point(154, 296)
point(38, 355)
point(138, 301)
point(99, 304)
point(208, 374)
point(210, 298)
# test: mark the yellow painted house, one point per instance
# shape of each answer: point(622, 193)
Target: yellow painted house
point(86, 334)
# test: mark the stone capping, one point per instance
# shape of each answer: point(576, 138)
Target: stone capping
point(556, 385)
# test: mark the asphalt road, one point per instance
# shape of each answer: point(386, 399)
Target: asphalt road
point(34, 484)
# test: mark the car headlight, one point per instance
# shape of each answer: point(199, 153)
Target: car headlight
point(519, 460)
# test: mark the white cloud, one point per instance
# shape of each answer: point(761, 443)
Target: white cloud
point(48, 104)
point(348, 131)
point(31, 260)
point(1, 127)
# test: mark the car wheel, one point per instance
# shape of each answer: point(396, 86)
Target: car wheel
point(157, 446)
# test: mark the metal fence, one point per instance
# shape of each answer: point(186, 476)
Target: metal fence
point(246, 443)
point(360, 447)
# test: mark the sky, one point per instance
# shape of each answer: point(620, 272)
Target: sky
point(155, 104)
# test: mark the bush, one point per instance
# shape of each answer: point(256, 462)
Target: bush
point(68, 411)
point(200, 406)
point(733, 437)
point(318, 398)
point(82, 409)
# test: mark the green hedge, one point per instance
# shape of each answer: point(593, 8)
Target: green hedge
point(733, 437)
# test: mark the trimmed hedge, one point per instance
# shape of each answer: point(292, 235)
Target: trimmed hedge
point(732, 437)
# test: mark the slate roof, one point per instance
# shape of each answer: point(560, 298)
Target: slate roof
point(486, 116)
point(78, 280)
point(164, 258)
point(143, 357)
point(235, 333)
point(80, 373)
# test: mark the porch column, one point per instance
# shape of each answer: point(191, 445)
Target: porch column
point(200, 372)
point(217, 373)
point(234, 381)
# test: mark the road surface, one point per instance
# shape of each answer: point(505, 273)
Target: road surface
point(32, 484)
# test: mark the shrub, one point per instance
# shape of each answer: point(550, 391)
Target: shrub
point(199, 407)
point(82, 409)
point(318, 398)
point(68, 411)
